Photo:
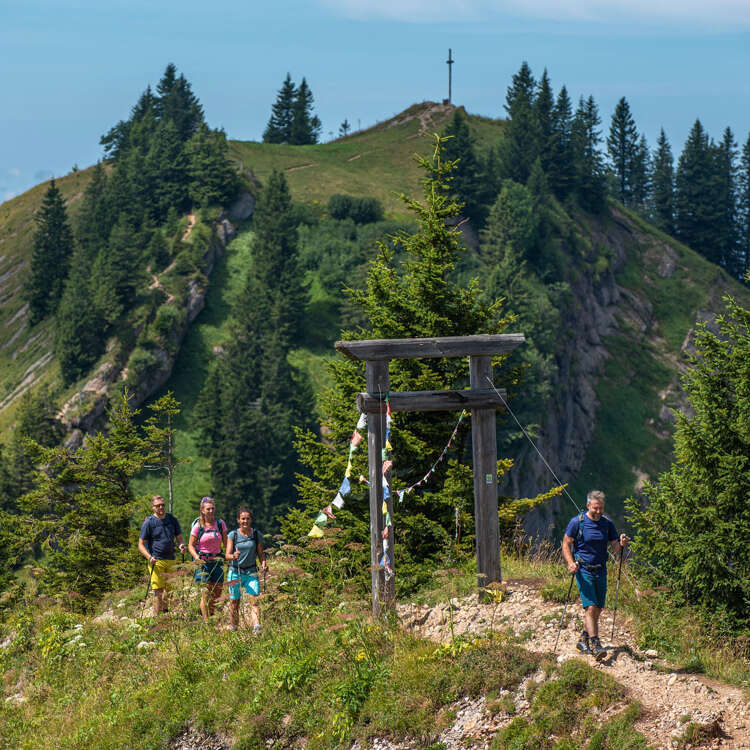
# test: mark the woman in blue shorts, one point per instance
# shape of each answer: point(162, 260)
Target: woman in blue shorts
point(244, 548)
point(207, 537)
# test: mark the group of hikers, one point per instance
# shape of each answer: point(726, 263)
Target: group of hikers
point(584, 550)
point(210, 545)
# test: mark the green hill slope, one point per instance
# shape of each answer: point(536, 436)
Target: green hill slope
point(636, 296)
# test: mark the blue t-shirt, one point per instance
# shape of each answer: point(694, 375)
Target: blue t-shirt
point(247, 547)
point(159, 534)
point(592, 548)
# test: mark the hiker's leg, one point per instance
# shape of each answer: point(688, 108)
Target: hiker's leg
point(158, 601)
point(204, 603)
point(254, 611)
point(214, 592)
point(591, 620)
point(234, 613)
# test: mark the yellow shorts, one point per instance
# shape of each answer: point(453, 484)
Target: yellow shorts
point(161, 573)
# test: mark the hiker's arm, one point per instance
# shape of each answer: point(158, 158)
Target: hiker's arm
point(181, 542)
point(567, 551)
point(230, 549)
point(262, 556)
point(191, 548)
point(617, 544)
point(142, 549)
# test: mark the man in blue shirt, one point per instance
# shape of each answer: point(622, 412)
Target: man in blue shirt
point(156, 543)
point(584, 548)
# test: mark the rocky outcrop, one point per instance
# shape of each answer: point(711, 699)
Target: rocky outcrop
point(84, 411)
point(601, 308)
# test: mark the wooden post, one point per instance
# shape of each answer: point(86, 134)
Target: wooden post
point(377, 385)
point(484, 448)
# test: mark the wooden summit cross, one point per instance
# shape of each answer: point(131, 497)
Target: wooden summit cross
point(481, 398)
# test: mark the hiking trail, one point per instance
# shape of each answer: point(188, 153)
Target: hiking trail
point(668, 695)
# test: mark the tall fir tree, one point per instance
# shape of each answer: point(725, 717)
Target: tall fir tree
point(744, 205)
point(305, 124)
point(50, 256)
point(92, 227)
point(177, 103)
point(467, 185)
point(622, 145)
point(80, 331)
point(695, 193)
point(728, 223)
point(662, 185)
point(641, 174)
point(589, 166)
point(165, 172)
point(561, 170)
point(520, 145)
point(544, 105)
point(279, 128)
point(212, 179)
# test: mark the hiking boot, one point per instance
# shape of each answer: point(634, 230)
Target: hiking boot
point(597, 650)
point(583, 644)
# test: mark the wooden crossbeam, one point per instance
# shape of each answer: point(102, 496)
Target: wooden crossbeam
point(446, 346)
point(479, 398)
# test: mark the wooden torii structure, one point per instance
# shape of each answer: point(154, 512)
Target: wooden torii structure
point(481, 398)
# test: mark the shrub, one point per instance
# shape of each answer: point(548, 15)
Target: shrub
point(360, 210)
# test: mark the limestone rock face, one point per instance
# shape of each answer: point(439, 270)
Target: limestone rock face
point(242, 208)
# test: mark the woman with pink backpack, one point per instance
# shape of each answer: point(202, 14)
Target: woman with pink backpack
point(207, 537)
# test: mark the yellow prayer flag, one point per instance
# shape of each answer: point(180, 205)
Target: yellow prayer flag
point(316, 532)
point(348, 470)
point(385, 507)
point(388, 445)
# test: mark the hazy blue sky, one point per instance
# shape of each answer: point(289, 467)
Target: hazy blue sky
point(70, 70)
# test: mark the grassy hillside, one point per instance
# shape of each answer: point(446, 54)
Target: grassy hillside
point(25, 353)
point(377, 162)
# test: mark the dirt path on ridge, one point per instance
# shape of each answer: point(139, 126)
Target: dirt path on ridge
point(668, 696)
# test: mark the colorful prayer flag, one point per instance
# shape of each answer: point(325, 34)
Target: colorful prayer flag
point(388, 521)
point(338, 501)
point(316, 532)
point(362, 480)
point(385, 507)
point(348, 471)
point(362, 422)
point(386, 490)
point(401, 495)
point(356, 438)
point(321, 520)
point(345, 488)
point(328, 510)
point(388, 445)
point(383, 455)
point(387, 466)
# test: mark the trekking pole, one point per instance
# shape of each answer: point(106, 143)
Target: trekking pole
point(617, 592)
point(148, 586)
point(562, 618)
point(264, 580)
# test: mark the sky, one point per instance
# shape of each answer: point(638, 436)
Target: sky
point(70, 70)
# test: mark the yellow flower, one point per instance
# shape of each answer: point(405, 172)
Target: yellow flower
point(361, 656)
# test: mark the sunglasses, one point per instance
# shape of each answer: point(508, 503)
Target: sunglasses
point(159, 505)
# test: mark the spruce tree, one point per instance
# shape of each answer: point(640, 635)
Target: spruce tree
point(415, 296)
point(744, 206)
point(50, 256)
point(544, 106)
point(92, 228)
point(622, 144)
point(641, 174)
point(82, 508)
point(521, 135)
point(279, 128)
point(589, 167)
point(727, 228)
point(79, 330)
point(561, 170)
point(344, 128)
point(305, 125)
point(662, 185)
point(165, 170)
point(695, 528)
point(466, 184)
point(212, 179)
point(695, 207)
point(177, 103)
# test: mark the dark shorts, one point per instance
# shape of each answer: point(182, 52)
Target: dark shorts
point(593, 588)
point(212, 571)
